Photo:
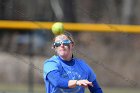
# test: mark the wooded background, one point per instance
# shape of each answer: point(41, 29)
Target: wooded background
point(115, 57)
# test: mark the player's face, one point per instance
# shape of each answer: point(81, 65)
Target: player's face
point(63, 46)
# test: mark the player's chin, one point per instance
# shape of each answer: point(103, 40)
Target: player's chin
point(63, 54)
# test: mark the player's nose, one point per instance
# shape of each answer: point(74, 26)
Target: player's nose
point(62, 45)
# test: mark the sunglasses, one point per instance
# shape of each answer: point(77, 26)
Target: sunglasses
point(64, 42)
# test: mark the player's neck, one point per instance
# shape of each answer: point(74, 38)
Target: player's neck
point(67, 58)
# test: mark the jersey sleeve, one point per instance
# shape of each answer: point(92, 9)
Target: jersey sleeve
point(92, 75)
point(55, 78)
point(89, 70)
point(96, 87)
point(49, 66)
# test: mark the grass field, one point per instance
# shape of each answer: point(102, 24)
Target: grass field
point(121, 90)
point(16, 88)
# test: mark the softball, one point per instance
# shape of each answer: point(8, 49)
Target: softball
point(58, 28)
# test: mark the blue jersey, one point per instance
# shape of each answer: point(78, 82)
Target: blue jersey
point(78, 71)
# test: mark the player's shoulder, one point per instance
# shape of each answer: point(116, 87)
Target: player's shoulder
point(53, 59)
point(79, 60)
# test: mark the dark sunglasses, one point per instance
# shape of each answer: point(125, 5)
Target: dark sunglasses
point(64, 42)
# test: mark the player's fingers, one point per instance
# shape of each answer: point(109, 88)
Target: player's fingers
point(84, 85)
point(89, 83)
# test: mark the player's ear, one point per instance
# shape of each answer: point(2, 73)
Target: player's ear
point(53, 47)
point(72, 44)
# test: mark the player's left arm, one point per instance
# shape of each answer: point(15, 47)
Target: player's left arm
point(96, 87)
point(92, 78)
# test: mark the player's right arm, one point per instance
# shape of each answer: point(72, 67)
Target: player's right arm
point(58, 81)
point(52, 74)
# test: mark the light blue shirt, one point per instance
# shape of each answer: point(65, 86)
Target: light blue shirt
point(78, 71)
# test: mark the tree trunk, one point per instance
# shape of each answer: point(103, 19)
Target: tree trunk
point(127, 11)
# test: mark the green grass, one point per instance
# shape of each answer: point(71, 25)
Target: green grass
point(16, 88)
point(121, 90)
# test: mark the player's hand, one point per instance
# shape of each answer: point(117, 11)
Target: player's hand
point(84, 83)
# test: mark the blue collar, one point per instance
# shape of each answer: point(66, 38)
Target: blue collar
point(69, 63)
